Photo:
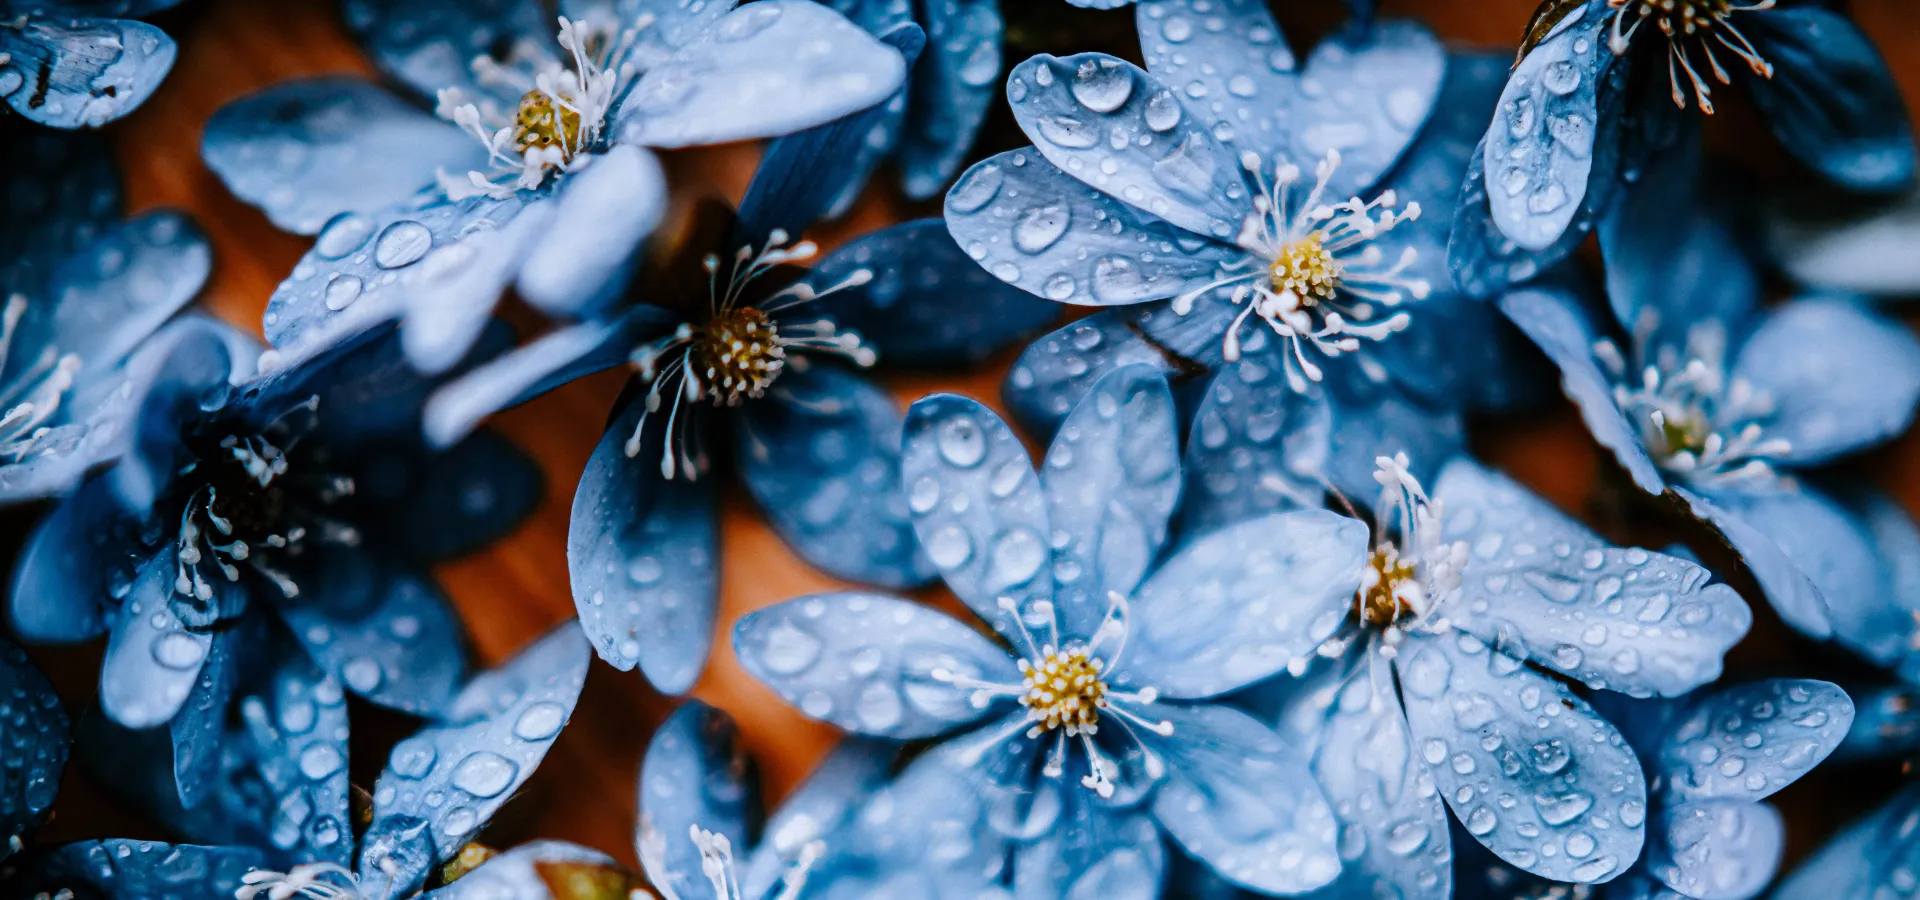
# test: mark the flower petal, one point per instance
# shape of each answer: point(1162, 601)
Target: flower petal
point(197, 731)
point(532, 871)
point(979, 510)
point(1831, 101)
point(1746, 742)
point(1539, 585)
point(1862, 252)
point(1871, 856)
point(153, 660)
point(605, 211)
point(461, 500)
point(1374, 420)
point(1388, 78)
point(1880, 624)
point(389, 634)
point(306, 151)
point(949, 93)
point(30, 774)
point(1490, 728)
point(927, 304)
point(1091, 850)
point(131, 868)
point(1241, 800)
point(833, 794)
point(1799, 546)
point(104, 300)
point(1719, 849)
point(1124, 133)
point(430, 45)
point(695, 775)
point(1256, 447)
point(183, 370)
point(1540, 152)
point(1056, 370)
point(1236, 605)
point(81, 73)
point(294, 744)
point(872, 664)
point(641, 555)
point(1239, 65)
point(65, 575)
point(765, 69)
point(1841, 377)
point(821, 455)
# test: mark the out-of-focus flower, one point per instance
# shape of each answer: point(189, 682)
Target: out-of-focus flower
point(1854, 248)
point(287, 755)
point(1098, 726)
point(1872, 857)
point(1601, 93)
point(35, 734)
point(80, 63)
point(536, 172)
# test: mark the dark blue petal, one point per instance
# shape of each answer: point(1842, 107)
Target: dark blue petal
point(821, 455)
point(287, 765)
point(768, 68)
point(152, 661)
point(429, 45)
point(60, 189)
point(306, 151)
point(1477, 722)
point(135, 9)
point(1236, 605)
point(1055, 371)
point(65, 575)
point(1112, 477)
point(1719, 849)
point(1541, 586)
point(197, 731)
point(1539, 152)
point(1239, 798)
point(950, 91)
point(36, 735)
point(103, 301)
point(1886, 723)
point(1256, 447)
point(115, 869)
point(1824, 543)
point(385, 632)
point(466, 498)
point(641, 555)
point(1035, 227)
point(927, 304)
point(1831, 101)
point(1125, 133)
point(1556, 322)
point(1375, 420)
point(1880, 624)
point(1841, 377)
point(81, 73)
point(872, 664)
point(833, 794)
point(442, 784)
point(1747, 742)
point(1091, 850)
point(604, 213)
point(1871, 857)
point(524, 872)
point(177, 375)
point(696, 775)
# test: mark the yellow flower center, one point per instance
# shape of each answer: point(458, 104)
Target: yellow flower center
point(737, 354)
point(1307, 269)
point(540, 123)
point(1064, 690)
point(1378, 601)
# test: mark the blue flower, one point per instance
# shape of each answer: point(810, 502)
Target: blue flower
point(749, 366)
point(536, 172)
point(1600, 93)
point(1871, 857)
point(1098, 725)
point(1362, 9)
point(1698, 393)
point(63, 65)
point(300, 503)
point(81, 290)
point(1852, 249)
point(35, 733)
point(1712, 758)
point(284, 824)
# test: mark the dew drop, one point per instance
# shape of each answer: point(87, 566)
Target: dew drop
point(402, 244)
point(484, 774)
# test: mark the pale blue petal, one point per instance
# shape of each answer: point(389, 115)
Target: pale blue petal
point(1092, 850)
point(430, 45)
point(1384, 82)
point(872, 664)
point(153, 660)
point(978, 508)
point(832, 795)
point(1842, 378)
point(1237, 62)
point(1236, 605)
point(305, 151)
point(1874, 856)
point(1831, 101)
point(604, 213)
point(1540, 149)
point(1256, 447)
point(1374, 420)
point(1035, 227)
point(1242, 801)
point(1540, 585)
point(81, 73)
point(295, 737)
point(1079, 109)
point(1719, 849)
point(1480, 722)
point(1112, 477)
point(447, 299)
point(388, 634)
point(950, 92)
point(672, 23)
point(1798, 545)
point(765, 69)
point(695, 775)
point(37, 737)
point(1880, 624)
point(1860, 251)
point(1056, 370)
point(1747, 742)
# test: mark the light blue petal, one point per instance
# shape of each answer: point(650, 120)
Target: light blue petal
point(447, 299)
point(927, 304)
point(430, 45)
point(1040, 229)
point(1238, 61)
point(1831, 100)
point(153, 660)
point(821, 455)
point(1799, 546)
point(388, 634)
point(1236, 605)
point(1242, 801)
point(296, 739)
point(695, 775)
point(832, 795)
point(1091, 850)
point(872, 664)
point(1859, 252)
point(979, 510)
point(81, 73)
point(1056, 370)
point(149, 870)
point(308, 150)
point(36, 736)
point(641, 555)
point(926, 829)
point(1871, 857)
point(672, 23)
point(1719, 849)
point(604, 213)
point(1886, 723)
point(1880, 624)
point(1747, 742)
point(765, 69)
point(1541, 586)
point(65, 576)
point(1540, 150)
point(1556, 322)
point(1112, 477)
point(522, 872)
point(1841, 377)
point(1485, 725)
point(1125, 133)
point(950, 92)
point(197, 731)
point(1374, 420)
point(1256, 447)
point(442, 784)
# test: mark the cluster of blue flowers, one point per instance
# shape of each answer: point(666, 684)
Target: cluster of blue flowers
point(1256, 623)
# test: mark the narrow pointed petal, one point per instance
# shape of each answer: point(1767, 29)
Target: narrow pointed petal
point(950, 91)
point(1831, 101)
point(695, 775)
point(1540, 153)
point(153, 660)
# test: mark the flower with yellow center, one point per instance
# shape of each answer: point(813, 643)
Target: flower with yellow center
point(1064, 690)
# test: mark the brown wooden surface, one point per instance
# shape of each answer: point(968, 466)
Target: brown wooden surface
point(585, 790)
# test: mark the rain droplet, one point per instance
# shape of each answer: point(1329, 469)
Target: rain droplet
point(320, 760)
point(1561, 78)
point(1040, 227)
point(949, 546)
point(1068, 132)
point(342, 236)
point(1163, 111)
point(789, 650)
point(362, 675)
point(976, 189)
point(412, 758)
point(539, 722)
point(484, 774)
point(1102, 85)
point(1059, 286)
point(961, 441)
point(178, 650)
point(402, 244)
point(1017, 556)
